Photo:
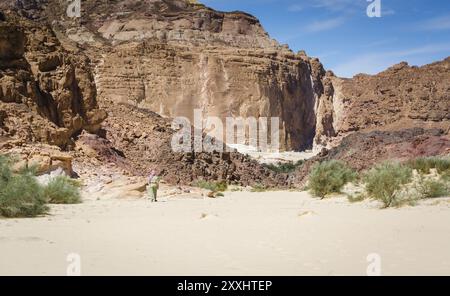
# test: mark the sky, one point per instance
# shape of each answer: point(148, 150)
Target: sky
point(345, 39)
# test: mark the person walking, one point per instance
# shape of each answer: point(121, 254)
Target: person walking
point(153, 186)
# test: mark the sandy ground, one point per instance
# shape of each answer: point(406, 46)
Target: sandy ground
point(270, 233)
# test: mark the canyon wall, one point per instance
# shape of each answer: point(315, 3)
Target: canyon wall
point(401, 97)
point(172, 56)
point(46, 94)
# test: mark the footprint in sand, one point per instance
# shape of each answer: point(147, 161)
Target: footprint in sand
point(307, 214)
point(24, 239)
point(205, 216)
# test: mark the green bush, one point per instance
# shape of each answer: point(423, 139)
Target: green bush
point(5, 170)
point(62, 190)
point(285, 167)
point(384, 182)
point(20, 194)
point(429, 188)
point(446, 176)
point(425, 164)
point(329, 177)
point(213, 186)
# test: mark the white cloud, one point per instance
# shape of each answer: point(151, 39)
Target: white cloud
point(438, 23)
point(380, 42)
point(295, 8)
point(338, 5)
point(373, 63)
point(325, 25)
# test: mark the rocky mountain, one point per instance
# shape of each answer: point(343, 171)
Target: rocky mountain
point(140, 60)
point(401, 97)
point(47, 94)
point(173, 57)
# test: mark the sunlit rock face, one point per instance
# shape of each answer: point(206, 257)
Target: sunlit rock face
point(174, 56)
point(46, 94)
point(399, 98)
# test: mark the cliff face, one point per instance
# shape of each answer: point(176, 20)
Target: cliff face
point(46, 94)
point(173, 80)
point(173, 57)
point(400, 97)
point(173, 60)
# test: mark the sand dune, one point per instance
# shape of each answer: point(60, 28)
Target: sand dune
point(271, 233)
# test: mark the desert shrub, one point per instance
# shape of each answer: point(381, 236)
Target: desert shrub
point(20, 194)
point(5, 169)
point(430, 188)
point(62, 190)
point(446, 176)
point(329, 177)
point(385, 181)
point(213, 186)
point(425, 164)
point(285, 167)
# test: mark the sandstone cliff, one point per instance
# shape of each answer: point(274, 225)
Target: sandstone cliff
point(138, 59)
point(172, 57)
point(400, 97)
point(46, 94)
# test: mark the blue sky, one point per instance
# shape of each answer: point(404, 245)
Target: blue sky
point(346, 40)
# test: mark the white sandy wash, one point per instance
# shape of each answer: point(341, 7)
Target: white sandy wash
point(243, 233)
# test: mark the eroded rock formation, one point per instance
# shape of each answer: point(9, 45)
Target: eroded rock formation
point(398, 98)
point(46, 94)
point(172, 57)
point(169, 57)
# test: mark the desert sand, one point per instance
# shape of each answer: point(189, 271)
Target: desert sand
point(243, 233)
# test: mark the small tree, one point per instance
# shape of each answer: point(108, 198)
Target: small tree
point(384, 182)
point(20, 194)
point(430, 188)
point(62, 190)
point(425, 164)
point(329, 177)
